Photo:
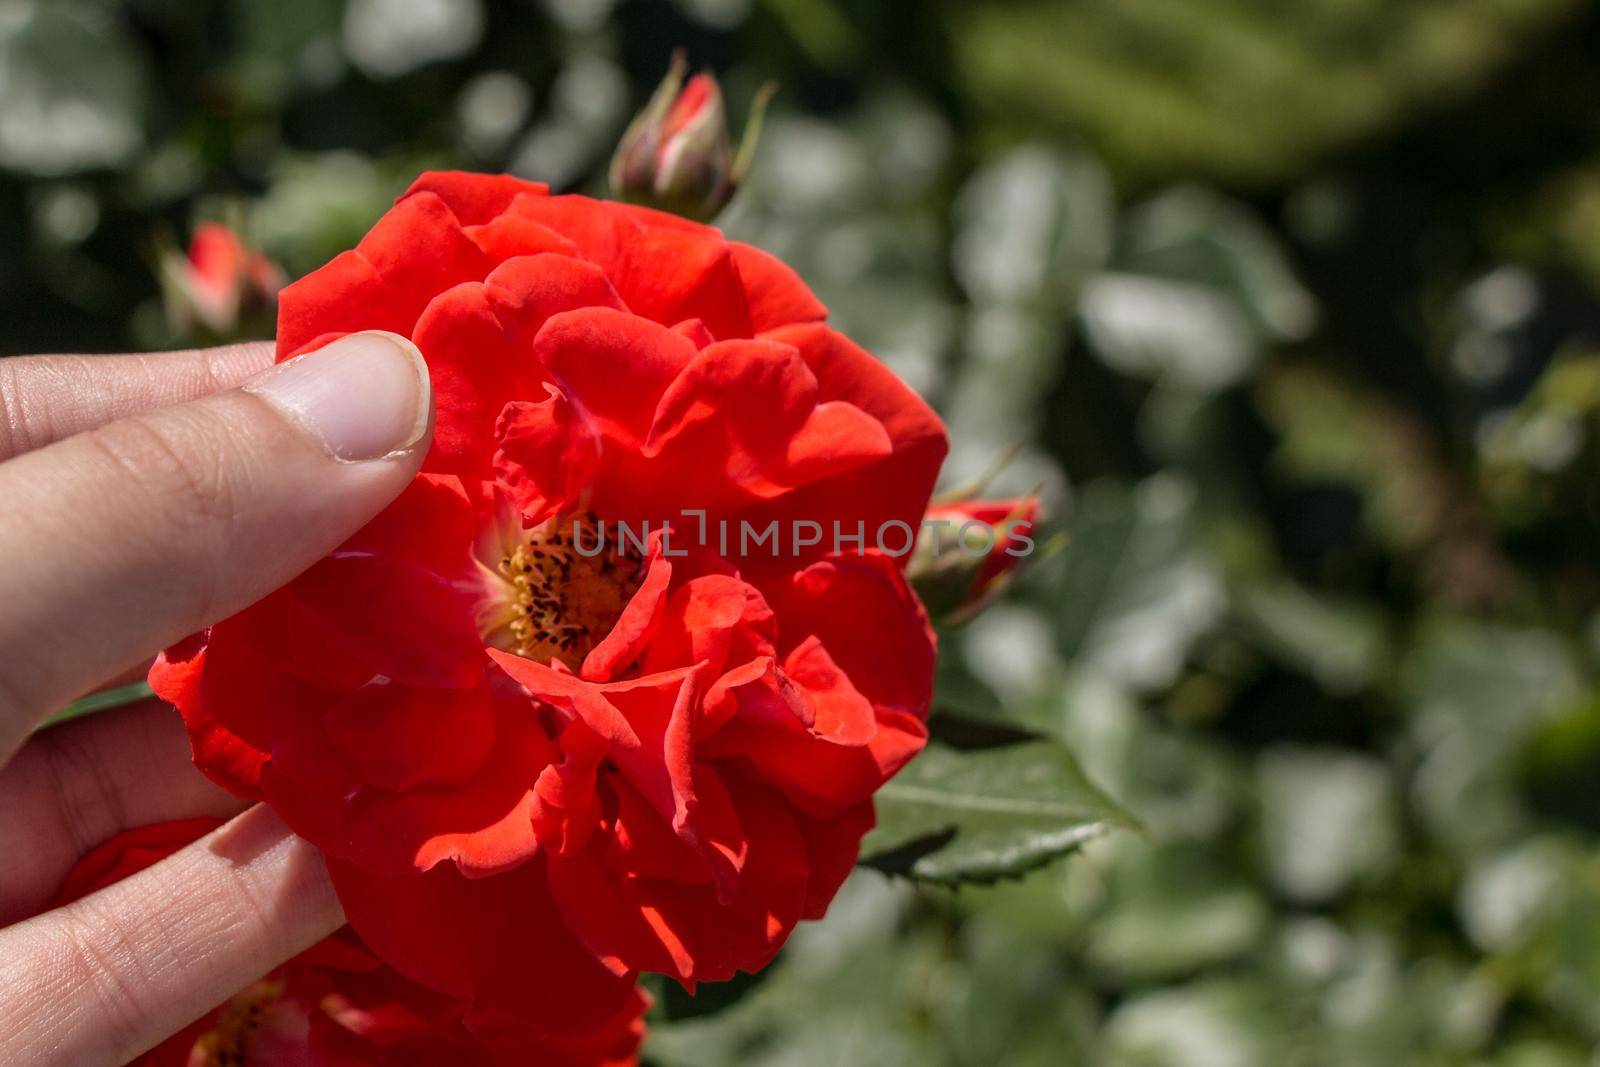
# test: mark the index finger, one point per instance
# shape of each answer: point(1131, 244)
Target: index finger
point(47, 398)
point(122, 541)
point(109, 976)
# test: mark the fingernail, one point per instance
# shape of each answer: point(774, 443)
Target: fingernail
point(363, 396)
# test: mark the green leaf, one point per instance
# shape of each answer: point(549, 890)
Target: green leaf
point(103, 701)
point(957, 816)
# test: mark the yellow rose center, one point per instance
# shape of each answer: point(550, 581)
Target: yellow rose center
point(566, 584)
point(238, 1021)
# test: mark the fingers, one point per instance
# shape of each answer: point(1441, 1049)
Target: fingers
point(137, 673)
point(76, 785)
point(105, 978)
point(125, 539)
point(48, 398)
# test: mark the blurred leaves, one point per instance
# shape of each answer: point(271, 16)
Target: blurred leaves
point(1237, 89)
point(318, 206)
point(1133, 590)
point(1197, 291)
point(387, 38)
point(72, 88)
point(879, 983)
point(1344, 645)
point(1031, 226)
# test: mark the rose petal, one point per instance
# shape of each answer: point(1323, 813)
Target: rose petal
point(382, 284)
point(474, 198)
point(499, 941)
point(773, 291)
point(891, 489)
point(397, 736)
point(483, 824)
point(682, 930)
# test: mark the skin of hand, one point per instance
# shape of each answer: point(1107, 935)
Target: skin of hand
point(143, 498)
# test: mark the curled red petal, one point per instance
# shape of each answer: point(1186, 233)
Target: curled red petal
point(819, 778)
point(475, 198)
point(382, 284)
point(566, 806)
point(839, 713)
point(548, 453)
point(695, 331)
point(636, 627)
point(483, 824)
point(773, 291)
point(177, 676)
point(666, 268)
point(613, 366)
point(753, 407)
point(580, 699)
point(891, 489)
point(883, 643)
point(682, 929)
point(499, 941)
point(474, 364)
point(650, 724)
point(508, 236)
point(527, 290)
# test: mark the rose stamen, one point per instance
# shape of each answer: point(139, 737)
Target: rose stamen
point(237, 1023)
point(563, 602)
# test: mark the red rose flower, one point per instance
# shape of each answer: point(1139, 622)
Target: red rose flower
point(336, 1004)
point(540, 761)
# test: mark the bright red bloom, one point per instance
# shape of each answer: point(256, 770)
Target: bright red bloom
point(336, 1004)
point(537, 769)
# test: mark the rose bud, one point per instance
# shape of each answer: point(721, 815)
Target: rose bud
point(677, 154)
point(968, 552)
point(220, 285)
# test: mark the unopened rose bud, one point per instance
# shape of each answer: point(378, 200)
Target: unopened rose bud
point(677, 154)
point(968, 551)
point(219, 285)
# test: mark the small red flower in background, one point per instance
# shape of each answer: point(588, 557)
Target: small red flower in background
point(968, 551)
point(336, 1004)
point(537, 771)
point(219, 283)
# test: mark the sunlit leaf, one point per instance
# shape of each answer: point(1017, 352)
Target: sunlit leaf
point(954, 816)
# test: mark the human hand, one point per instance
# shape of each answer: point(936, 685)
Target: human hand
point(144, 498)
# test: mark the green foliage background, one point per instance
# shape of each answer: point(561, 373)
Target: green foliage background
point(1291, 309)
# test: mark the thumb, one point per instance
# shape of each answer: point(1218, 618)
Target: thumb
point(125, 539)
